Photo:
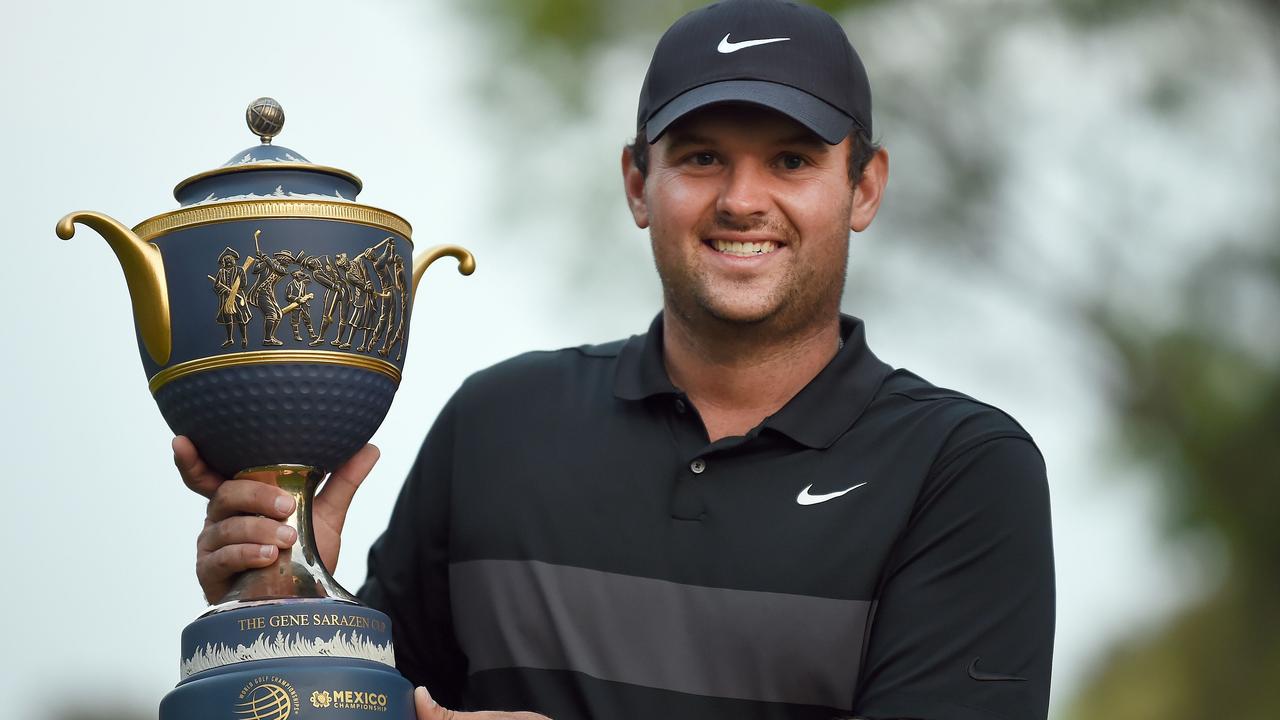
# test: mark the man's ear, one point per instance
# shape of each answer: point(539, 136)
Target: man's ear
point(868, 192)
point(633, 185)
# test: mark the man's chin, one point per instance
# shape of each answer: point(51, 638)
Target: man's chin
point(739, 315)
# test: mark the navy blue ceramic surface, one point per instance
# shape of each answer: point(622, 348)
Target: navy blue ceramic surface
point(279, 183)
point(312, 414)
point(325, 688)
point(288, 337)
point(266, 171)
point(276, 661)
point(355, 276)
point(268, 630)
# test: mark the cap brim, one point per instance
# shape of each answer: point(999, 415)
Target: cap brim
point(828, 122)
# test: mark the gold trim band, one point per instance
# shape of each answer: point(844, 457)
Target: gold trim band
point(283, 208)
point(264, 357)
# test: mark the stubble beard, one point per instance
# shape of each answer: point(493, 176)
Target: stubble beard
point(804, 298)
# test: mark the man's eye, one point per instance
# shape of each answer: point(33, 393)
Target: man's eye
point(793, 162)
point(703, 158)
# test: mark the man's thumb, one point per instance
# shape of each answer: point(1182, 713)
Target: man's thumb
point(335, 496)
point(427, 708)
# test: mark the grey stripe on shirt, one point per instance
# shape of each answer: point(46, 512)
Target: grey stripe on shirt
point(743, 644)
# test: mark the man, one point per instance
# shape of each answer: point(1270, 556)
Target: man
point(742, 512)
point(396, 339)
point(233, 307)
point(361, 296)
point(333, 304)
point(340, 267)
point(295, 293)
point(270, 269)
point(383, 267)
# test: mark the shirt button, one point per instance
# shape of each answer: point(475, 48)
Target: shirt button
point(680, 406)
point(697, 466)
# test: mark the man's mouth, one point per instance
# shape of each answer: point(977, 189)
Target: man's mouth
point(744, 249)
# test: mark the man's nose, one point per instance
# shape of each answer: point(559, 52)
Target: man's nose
point(745, 192)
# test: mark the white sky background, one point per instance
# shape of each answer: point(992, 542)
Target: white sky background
point(108, 106)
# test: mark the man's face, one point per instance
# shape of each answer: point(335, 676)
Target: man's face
point(749, 216)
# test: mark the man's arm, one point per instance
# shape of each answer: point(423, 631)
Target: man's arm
point(409, 570)
point(409, 580)
point(963, 625)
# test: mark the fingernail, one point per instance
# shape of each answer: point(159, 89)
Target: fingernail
point(267, 550)
point(286, 533)
point(284, 504)
point(428, 694)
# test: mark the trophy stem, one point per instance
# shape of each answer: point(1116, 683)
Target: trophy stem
point(297, 572)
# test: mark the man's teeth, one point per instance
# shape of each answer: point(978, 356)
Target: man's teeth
point(745, 249)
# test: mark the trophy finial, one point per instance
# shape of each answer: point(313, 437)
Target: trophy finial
point(265, 118)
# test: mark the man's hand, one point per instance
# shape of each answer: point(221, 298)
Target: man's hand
point(429, 710)
point(243, 526)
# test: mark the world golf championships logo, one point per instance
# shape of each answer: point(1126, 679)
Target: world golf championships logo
point(266, 698)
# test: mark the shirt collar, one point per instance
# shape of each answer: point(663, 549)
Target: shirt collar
point(817, 416)
point(641, 372)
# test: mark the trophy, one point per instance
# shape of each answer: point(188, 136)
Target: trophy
point(272, 316)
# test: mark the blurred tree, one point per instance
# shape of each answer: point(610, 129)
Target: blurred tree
point(1201, 401)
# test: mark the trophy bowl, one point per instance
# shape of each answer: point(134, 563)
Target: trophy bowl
point(272, 314)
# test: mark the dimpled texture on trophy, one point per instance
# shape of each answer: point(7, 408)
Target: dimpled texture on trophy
point(272, 315)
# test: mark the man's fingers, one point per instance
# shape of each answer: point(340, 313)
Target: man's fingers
point(215, 569)
point(195, 473)
point(249, 497)
point(428, 709)
point(245, 529)
point(335, 497)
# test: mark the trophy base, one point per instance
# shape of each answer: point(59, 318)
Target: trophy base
point(324, 659)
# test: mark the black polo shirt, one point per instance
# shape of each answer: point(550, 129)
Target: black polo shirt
point(569, 542)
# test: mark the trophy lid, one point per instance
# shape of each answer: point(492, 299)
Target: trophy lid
point(267, 171)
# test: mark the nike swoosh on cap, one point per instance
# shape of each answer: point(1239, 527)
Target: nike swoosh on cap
point(805, 498)
point(725, 47)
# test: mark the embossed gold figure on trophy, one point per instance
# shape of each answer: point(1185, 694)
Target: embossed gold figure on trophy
point(280, 410)
point(233, 310)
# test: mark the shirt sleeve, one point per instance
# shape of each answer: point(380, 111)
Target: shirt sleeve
point(408, 576)
point(963, 624)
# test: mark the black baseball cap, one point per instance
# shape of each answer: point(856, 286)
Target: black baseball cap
point(785, 56)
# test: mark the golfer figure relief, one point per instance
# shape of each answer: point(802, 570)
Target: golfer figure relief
point(366, 294)
point(233, 306)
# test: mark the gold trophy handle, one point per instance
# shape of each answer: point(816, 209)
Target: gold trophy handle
point(466, 261)
point(143, 272)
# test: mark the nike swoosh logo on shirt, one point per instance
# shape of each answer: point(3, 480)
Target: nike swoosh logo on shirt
point(725, 47)
point(977, 674)
point(805, 498)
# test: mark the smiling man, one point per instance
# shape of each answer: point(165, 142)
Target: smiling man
point(741, 513)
